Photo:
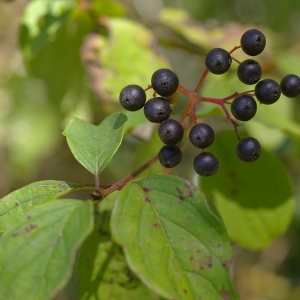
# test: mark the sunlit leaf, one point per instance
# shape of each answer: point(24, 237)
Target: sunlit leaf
point(107, 8)
point(207, 37)
point(20, 201)
point(41, 21)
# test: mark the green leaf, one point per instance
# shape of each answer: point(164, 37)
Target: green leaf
point(102, 271)
point(107, 8)
point(20, 201)
point(279, 116)
point(37, 251)
point(207, 37)
point(172, 239)
point(254, 199)
point(41, 21)
point(93, 146)
point(129, 55)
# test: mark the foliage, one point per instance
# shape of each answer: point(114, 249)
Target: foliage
point(149, 235)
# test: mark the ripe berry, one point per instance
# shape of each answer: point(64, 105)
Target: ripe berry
point(290, 85)
point(157, 110)
point(202, 135)
point(206, 164)
point(243, 107)
point(170, 156)
point(249, 71)
point(132, 97)
point(164, 82)
point(218, 61)
point(170, 132)
point(248, 149)
point(253, 42)
point(267, 91)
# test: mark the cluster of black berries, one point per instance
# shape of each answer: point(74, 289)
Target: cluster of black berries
point(267, 91)
point(249, 72)
point(158, 110)
point(165, 83)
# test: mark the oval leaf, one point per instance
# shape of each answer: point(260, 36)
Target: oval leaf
point(172, 240)
point(18, 202)
point(254, 199)
point(93, 146)
point(43, 244)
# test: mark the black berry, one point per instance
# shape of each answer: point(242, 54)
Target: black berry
point(157, 110)
point(170, 132)
point(267, 91)
point(243, 107)
point(249, 71)
point(218, 61)
point(290, 85)
point(206, 164)
point(170, 156)
point(132, 97)
point(201, 135)
point(164, 82)
point(253, 42)
point(248, 149)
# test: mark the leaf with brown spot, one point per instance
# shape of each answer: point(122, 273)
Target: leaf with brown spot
point(102, 271)
point(37, 255)
point(178, 260)
point(19, 201)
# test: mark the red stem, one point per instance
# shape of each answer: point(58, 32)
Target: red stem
point(234, 48)
point(235, 60)
point(184, 91)
point(198, 87)
point(118, 185)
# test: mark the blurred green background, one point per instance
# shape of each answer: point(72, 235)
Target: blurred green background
point(71, 69)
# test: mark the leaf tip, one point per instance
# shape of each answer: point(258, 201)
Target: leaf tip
point(120, 121)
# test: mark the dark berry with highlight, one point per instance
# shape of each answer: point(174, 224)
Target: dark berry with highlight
point(170, 132)
point(170, 156)
point(132, 97)
point(164, 82)
point(157, 110)
point(243, 107)
point(206, 164)
point(248, 149)
point(290, 85)
point(267, 91)
point(253, 42)
point(202, 135)
point(249, 71)
point(218, 61)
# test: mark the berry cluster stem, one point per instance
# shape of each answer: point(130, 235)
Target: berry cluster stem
point(200, 83)
point(234, 48)
point(119, 184)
